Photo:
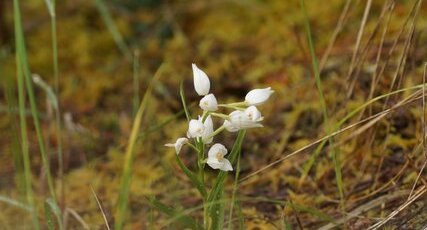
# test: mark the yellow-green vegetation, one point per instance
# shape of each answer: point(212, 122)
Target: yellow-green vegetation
point(342, 145)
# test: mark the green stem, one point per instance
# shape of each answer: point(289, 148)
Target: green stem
point(220, 115)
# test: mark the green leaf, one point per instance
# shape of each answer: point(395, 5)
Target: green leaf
point(216, 209)
point(193, 178)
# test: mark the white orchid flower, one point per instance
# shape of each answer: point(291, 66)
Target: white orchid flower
point(258, 96)
point(230, 127)
point(198, 128)
point(249, 118)
point(254, 114)
point(178, 144)
point(201, 81)
point(208, 124)
point(195, 128)
point(209, 103)
point(216, 158)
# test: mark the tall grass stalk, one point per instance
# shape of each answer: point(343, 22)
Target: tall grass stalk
point(23, 64)
point(122, 202)
point(51, 5)
point(16, 149)
point(109, 22)
point(135, 76)
point(233, 194)
point(22, 116)
point(335, 159)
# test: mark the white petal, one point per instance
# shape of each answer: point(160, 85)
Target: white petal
point(209, 103)
point(201, 81)
point(214, 163)
point(229, 127)
point(226, 165)
point(217, 149)
point(195, 128)
point(258, 96)
point(207, 139)
point(178, 144)
point(241, 120)
point(253, 113)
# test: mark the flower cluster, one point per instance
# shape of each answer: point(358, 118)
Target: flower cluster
point(245, 115)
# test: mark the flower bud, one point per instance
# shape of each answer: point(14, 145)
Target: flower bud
point(258, 96)
point(201, 81)
point(209, 103)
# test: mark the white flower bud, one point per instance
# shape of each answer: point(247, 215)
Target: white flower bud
point(201, 81)
point(258, 96)
point(209, 103)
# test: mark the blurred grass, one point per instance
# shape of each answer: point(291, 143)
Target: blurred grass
point(122, 201)
point(335, 159)
point(20, 54)
point(243, 45)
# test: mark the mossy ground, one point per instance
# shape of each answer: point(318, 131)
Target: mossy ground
point(241, 45)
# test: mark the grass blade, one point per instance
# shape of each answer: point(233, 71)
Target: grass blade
point(129, 155)
point(216, 211)
point(182, 94)
point(15, 203)
point(335, 159)
point(26, 73)
point(22, 119)
point(185, 220)
point(193, 178)
point(51, 208)
point(114, 31)
point(100, 208)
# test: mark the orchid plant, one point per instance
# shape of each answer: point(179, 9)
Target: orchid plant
point(201, 134)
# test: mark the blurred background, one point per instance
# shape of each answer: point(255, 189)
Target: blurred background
point(108, 52)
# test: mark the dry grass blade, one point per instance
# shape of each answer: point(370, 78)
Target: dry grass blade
point(423, 122)
point(72, 212)
point(366, 207)
point(311, 145)
point(417, 194)
point(358, 41)
point(338, 29)
point(100, 208)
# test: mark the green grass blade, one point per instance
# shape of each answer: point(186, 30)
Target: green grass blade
point(15, 203)
point(233, 195)
point(114, 31)
point(335, 159)
point(216, 211)
point(185, 220)
point(122, 202)
point(182, 94)
point(193, 178)
point(23, 62)
point(22, 116)
point(48, 90)
point(135, 77)
point(16, 149)
point(52, 210)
